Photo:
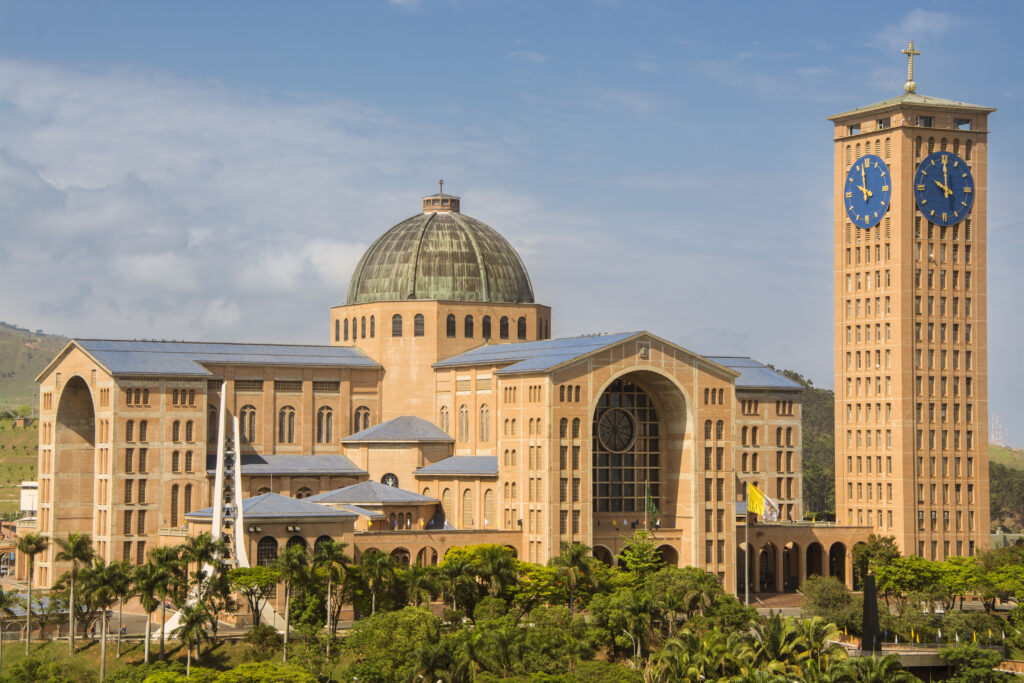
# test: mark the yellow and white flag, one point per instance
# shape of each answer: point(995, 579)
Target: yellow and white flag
point(760, 504)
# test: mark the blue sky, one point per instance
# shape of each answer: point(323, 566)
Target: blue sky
point(214, 170)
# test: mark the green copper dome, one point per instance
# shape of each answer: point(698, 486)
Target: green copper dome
point(440, 255)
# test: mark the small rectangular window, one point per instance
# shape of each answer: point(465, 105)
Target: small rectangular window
point(926, 121)
point(853, 129)
point(883, 123)
point(962, 124)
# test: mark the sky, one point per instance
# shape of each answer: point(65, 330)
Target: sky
point(214, 171)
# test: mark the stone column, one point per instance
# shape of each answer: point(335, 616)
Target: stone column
point(779, 569)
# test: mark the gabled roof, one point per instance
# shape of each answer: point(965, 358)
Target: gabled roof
point(125, 357)
point(290, 464)
point(405, 428)
point(755, 375)
point(479, 465)
point(370, 493)
point(916, 99)
point(534, 356)
point(271, 505)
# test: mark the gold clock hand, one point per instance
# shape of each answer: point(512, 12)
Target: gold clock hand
point(863, 188)
point(945, 189)
point(945, 179)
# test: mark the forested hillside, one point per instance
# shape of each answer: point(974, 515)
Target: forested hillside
point(818, 444)
point(23, 355)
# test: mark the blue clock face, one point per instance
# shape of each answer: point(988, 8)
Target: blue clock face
point(866, 191)
point(944, 188)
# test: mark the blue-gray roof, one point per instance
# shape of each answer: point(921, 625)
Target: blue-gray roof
point(363, 512)
point(253, 464)
point(754, 375)
point(403, 428)
point(371, 493)
point(535, 356)
point(271, 505)
point(185, 358)
point(479, 465)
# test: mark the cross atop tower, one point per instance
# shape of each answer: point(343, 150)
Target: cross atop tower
point(440, 182)
point(910, 86)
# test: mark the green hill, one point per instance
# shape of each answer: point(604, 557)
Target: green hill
point(23, 355)
point(1007, 457)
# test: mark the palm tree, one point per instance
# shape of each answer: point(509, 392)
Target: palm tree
point(30, 545)
point(218, 597)
point(76, 549)
point(421, 583)
point(330, 557)
point(778, 646)
point(820, 639)
point(293, 564)
point(119, 575)
point(375, 568)
point(8, 601)
point(146, 580)
point(496, 565)
point(172, 577)
point(201, 550)
point(879, 670)
point(576, 567)
point(502, 648)
point(99, 592)
point(457, 578)
point(192, 631)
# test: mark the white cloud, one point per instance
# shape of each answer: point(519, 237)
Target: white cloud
point(919, 25)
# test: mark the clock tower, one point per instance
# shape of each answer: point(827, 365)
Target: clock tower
point(911, 353)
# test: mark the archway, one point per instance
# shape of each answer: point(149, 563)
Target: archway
point(837, 561)
point(74, 460)
point(515, 552)
point(858, 579)
point(604, 555)
point(669, 555)
point(744, 553)
point(426, 556)
point(767, 558)
point(400, 556)
point(815, 559)
point(791, 557)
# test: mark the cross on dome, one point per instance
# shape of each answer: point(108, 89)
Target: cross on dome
point(910, 86)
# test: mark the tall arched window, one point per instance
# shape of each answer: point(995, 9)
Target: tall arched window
point(361, 419)
point(142, 430)
point(446, 505)
point(373, 327)
point(467, 509)
point(337, 330)
point(515, 427)
point(286, 425)
point(176, 461)
point(174, 506)
point(521, 328)
point(362, 327)
point(463, 423)
point(188, 461)
point(489, 520)
point(515, 460)
point(563, 427)
point(753, 436)
point(188, 498)
point(417, 325)
point(443, 420)
point(743, 437)
point(145, 397)
point(486, 327)
point(468, 331)
point(396, 325)
point(485, 423)
point(778, 436)
point(531, 427)
point(789, 436)
point(503, 327)
point(212, 424)
point(576, 428)
point(449, 326)
point(266, 551)
point(346, 329)
point(707, 429)
point(176, 430)
point(719, 430)
point(324, 425)
point(189, 431)
point(247, 425)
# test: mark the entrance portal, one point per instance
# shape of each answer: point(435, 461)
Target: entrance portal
point(74, 462)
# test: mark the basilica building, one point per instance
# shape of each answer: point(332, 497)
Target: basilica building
point(442, 412)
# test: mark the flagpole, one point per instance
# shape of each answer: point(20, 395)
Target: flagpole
point(746, 553)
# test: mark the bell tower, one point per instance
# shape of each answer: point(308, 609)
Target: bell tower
point(911, 358)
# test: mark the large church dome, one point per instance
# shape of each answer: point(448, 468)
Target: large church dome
point(442, 255)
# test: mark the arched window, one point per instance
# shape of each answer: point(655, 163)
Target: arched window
point(188, 498)
point(486, 327)
point(485, 423)
point(449, 326)
point(563, 427)
point(263, 490)
point(467, 509)
point(489, 508)
point(266, 551)
point(320, 543)
point(576, 428)
point(408, 520)
point(361, 419)
point(753, 436)
point(967, 150)
point(521, 328)
point(396, 325)
point(176, 431)
point(304, 492)
point(373, 327)
point(443, 420)
point(778, 436)
point(508, 461)
point(296, 541)
point(513, 463)
point(129, 430)
point(362, 327)
point(531, 427)
point(417, 325)
point(324, 425)
point(346, 329)
point(503, 327)
point(286, 425)
point(743, 437)
point(142, 430)
point(248, 423)
point(515, 427)
point(189, 429)
point(719, 430)
point(174, 506)
point(707, 429)
point(513, 491)
point(508, 427)
point(175, 461)
point(145, 397)
point(706, 393)
point(212, 424)
point(446, 505)
point(753, 462)
point(468, 331)
point(426, 492)
point(789, 436)
point(188, 461)
point(463, 423)
point(337, 330)
point(174, 397)
point(576, 394)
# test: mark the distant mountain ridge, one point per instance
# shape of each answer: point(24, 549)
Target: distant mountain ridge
point(23, 355)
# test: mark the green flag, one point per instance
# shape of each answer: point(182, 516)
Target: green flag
point(652, 509)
